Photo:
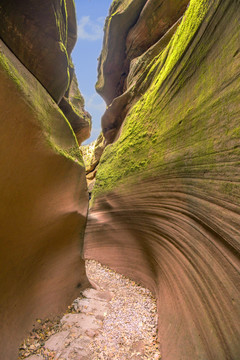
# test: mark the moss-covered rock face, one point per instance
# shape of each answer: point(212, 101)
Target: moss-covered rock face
point(161, 128)
point(169, 182)
point(44, 203)
point(129, 52)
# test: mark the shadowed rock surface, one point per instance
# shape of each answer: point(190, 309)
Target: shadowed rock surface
point(156, 18)
point(72, 105)
point(42, 36)
point(44, 197)
point(166, 207)
point(122, 15)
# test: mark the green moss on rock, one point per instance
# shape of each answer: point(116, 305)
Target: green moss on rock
point(188, 119)
point(58, 132)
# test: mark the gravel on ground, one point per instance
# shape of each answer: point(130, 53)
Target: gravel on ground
point(116, 321)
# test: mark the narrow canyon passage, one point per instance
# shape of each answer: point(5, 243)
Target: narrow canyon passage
point(115, 321)
point(155, 198)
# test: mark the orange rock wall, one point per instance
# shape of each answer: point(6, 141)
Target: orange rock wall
point(44, 198)
point(166, 208)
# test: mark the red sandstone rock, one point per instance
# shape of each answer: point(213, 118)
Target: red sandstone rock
point(156, 18)
point(123, 75)
point(166, 210)
point(111, 73)
point(42, 36)
point(72, 105)
point(183, 246)
point(43, 210)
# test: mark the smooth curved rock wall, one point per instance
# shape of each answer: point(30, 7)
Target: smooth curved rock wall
point(156, 18)
point(111, 67)
point(42, 36)
point(166, 207)
point(44, 203)
point(135, 32)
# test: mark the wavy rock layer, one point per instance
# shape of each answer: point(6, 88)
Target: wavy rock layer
point(43, 209)
point(167, 193)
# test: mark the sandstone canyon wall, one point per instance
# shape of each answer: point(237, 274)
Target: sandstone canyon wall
point(44, 197)
point(166, 208)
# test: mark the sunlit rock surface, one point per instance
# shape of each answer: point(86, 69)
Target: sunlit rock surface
point(44, 197)
point(91, 155)
point(166, 208)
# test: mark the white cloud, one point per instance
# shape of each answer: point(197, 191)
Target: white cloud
point(94, 103)
point(96, 107)
point(89, 30)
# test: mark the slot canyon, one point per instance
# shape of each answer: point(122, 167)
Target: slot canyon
point(155, 199)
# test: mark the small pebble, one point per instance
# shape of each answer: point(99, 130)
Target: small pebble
point(118, 321)
point(130, 326)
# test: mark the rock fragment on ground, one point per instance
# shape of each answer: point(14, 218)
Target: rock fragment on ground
point(118, 322)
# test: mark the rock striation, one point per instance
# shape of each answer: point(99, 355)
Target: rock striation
point(44, 199)
point(166, 203)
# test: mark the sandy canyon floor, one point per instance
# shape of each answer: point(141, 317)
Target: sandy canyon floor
point(115, 321)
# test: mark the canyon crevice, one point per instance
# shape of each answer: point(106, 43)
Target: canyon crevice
point(164, 174)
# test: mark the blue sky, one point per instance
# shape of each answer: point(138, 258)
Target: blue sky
point(90, 17)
